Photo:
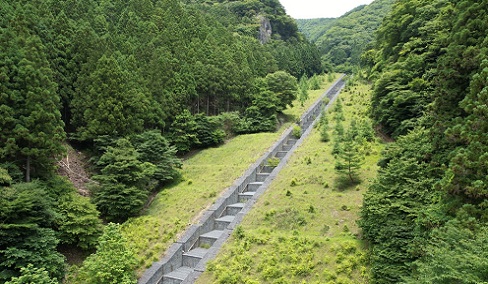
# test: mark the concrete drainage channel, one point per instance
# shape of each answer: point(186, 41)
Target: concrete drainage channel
point(185, 260)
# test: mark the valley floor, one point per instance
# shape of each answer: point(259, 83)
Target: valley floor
point(303, 229)
point(205, 176)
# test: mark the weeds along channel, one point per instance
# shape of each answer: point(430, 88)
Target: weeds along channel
point(303, 229)
point(205, 176)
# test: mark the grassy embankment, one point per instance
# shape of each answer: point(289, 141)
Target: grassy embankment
point(205, 176)
point(303, 229)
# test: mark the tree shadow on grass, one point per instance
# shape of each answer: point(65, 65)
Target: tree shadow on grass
point(343, 183)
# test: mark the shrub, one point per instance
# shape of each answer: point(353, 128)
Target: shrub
point(273, 162)
point(315, 82)
point(209, 131)
point(297, 131)
point(31, 274)
point(229, 122)
point(183, 132)
point(112, 263)
point(78, 223)
point(155, 149)
point(123, 182)
point(239, 233)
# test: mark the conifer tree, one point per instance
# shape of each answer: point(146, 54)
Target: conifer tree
point(108, 103)
point(32, 129)
point(303, 89)
point(324, 128)
point(124, 182)
point(349, 160)
point(31, 274)
point(468, 173)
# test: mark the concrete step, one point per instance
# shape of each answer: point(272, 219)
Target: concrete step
point(266, 170)
point(291, 141)
point(245, 196)
point(209, 238)
point(253, 186)
point(193, 257)
point(233, 209)
point(222, 222)
point(286, 147)
point(261, 176)
point(281, 154)
point(177, 276)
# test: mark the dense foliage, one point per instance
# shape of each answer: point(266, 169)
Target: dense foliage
point(425, 216)
point(342, 41)
point(134, 83)
point(113, 262)
point(36, 216)
point(85, 70)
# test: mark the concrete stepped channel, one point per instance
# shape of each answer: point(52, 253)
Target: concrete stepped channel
point(185, 260)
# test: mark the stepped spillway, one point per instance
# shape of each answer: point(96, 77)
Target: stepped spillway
point(185, 260)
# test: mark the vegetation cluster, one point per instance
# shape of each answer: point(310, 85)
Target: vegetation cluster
point(425, 216)
point(303, 228)
point(343, 40)
point(135, 85)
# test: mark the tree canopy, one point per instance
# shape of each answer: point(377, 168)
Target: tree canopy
point(425, 215)
point(342, 40)
point(132, 84)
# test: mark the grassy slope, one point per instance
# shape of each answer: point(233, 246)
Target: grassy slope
point(300, 229)
point(205, 176)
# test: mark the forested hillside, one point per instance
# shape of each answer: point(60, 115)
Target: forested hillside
point(134, 85)
point(425, 216)
point(341, 41)
point(315, 28)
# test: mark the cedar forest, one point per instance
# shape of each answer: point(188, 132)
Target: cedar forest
point(136, 85)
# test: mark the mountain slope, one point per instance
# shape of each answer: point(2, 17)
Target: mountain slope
point(342, 41)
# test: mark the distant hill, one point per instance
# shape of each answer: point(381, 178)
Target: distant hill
point(314, 28)
point(342, 40)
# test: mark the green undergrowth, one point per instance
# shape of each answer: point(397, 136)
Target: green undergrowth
point(205, 176)
point(303, 229)
point(294, 113)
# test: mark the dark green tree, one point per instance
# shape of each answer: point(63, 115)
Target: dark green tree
point(32, 275)
point(124, 182)
point(261, 115)
point(284, 86)
point(108, 103)
point(393, 205)
point(456, 253)
point(349, 159)
point(32, 129)
point(467, 176)
point(183, 132)
point(26, 238)
point(155, 149)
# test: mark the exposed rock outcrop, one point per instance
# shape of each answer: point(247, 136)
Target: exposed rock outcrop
point(265, 30)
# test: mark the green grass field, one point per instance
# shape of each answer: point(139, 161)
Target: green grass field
point(303, 229)
point(206, 175)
